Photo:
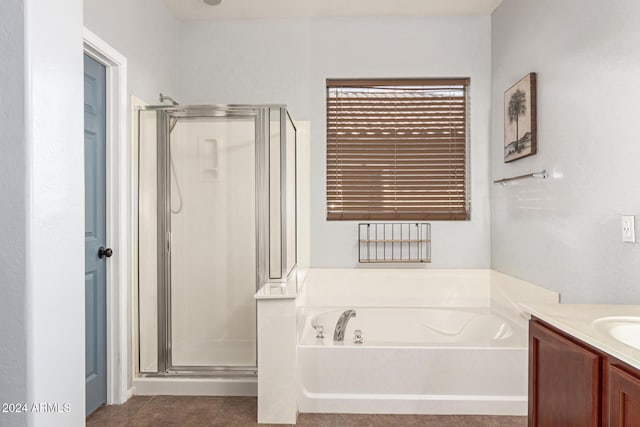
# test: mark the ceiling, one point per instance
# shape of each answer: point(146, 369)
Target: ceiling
point(278, 9)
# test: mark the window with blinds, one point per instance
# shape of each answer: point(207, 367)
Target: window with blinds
point(397, 149)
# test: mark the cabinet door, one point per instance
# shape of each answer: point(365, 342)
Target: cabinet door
point(564, 380)
point(624, 398)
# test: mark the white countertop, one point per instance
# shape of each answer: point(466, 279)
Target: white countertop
point(578, 320)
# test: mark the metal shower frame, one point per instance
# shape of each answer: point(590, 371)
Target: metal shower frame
point(261, 116)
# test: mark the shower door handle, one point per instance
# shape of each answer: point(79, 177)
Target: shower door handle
point(102, 252)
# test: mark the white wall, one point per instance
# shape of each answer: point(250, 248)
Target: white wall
point(42, 214)
point(55, 209)
point(565, 233)
point(13, 184)
point(245, 62)
point(287, 61)
point(303, 183)
point(146, 34)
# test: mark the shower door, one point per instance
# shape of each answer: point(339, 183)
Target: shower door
point(212, 222)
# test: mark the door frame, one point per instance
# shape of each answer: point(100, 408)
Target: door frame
point(119, 218)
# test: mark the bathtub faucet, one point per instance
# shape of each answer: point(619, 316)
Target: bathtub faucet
point(338, 334)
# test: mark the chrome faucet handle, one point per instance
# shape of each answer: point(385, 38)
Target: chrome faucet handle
point(319, 331)
point(357, 337)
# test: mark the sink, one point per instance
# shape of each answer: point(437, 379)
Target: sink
point(625, 329)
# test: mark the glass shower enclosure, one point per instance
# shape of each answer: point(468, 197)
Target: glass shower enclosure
point(217, 219)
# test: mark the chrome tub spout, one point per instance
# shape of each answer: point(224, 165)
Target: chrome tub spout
point(341, 326)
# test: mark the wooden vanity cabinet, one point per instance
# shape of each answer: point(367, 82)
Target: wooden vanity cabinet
point(623, 400)
point(565, 382)
point(574, 384)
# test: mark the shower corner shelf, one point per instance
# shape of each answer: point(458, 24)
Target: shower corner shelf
point(394, 243)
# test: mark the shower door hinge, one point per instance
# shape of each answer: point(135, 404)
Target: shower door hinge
point(169, 242)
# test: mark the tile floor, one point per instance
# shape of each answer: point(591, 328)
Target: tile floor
point(187, 411)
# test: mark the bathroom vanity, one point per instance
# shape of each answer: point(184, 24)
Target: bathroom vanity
point(584, 368)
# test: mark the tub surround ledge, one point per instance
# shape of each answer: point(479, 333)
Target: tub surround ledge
point(277, 337)
point(580, 321)
point(276, 291)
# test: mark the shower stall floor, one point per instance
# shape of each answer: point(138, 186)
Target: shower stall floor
point(222, 353)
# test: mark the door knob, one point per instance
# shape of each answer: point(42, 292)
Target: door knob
point(102, 252)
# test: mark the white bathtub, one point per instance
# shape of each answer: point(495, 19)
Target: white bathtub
point(414, 360)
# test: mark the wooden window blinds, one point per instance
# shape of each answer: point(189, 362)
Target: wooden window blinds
point(397, 149)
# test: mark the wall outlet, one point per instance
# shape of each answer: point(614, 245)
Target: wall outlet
point(628, 228)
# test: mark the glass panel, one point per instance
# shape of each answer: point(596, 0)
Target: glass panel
point(147, 243)
point(275, 224)
point(213, 242)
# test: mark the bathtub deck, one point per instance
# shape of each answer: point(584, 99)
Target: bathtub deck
point(242, 411)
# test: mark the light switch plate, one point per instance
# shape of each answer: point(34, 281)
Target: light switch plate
point(628, 228)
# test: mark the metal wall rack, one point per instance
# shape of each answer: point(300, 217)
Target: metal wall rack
point(394, 242)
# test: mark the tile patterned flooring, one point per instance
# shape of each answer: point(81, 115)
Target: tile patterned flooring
point(201, 411)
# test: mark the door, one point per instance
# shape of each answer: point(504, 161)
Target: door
point(624, 398)
point(564, 380)
point(213, 244)
point(95, 233)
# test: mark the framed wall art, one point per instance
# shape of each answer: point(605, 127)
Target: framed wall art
point(520, 136)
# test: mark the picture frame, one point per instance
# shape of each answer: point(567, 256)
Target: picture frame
point(520, 133)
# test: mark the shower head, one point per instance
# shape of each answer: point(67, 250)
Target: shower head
point(167, 98)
